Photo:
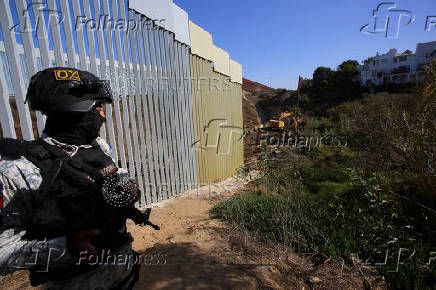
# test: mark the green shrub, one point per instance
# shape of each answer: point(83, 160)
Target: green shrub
point(374, 199)
point(366, 225)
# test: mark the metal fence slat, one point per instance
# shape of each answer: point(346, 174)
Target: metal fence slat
point(115, 87)
point(138, 93)
point(185, 115)
point(182, 115)
point(79, 35)
point(155, 103)
point(181, 122)
point(91, 37)
point(105, 74)
point(191, 119)
point(163, 111)
point(132, 97)
point(177, 124)
point(168, 109)
point(142, 49)
point(91, 46)
point(68, 29)
point(29, 54)
point(122, 120)
point(17, 77)
point(160, 103)
point(41, 35)
point(170, 103)
point(149, 76)
point(56, 34)
point(189, 124)
point(6, 118)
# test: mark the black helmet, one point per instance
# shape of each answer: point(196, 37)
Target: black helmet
point(62, 89)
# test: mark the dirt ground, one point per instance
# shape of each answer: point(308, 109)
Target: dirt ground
point(193, 251)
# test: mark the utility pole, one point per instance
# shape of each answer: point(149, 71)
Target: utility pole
point(300, 86)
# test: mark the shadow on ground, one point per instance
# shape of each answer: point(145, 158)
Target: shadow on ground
point(187, 267)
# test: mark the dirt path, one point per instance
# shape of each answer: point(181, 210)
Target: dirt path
point(198, 255)
point(192, 251)
point(202, 253)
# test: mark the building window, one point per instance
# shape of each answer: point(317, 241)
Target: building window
point(402, 69)
point(402, 58)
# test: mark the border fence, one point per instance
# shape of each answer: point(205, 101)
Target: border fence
point(160, 125)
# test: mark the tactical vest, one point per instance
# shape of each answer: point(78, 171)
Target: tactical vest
point(69, 198)
point(83, 192)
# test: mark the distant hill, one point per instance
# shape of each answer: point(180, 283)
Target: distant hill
point(255, 86)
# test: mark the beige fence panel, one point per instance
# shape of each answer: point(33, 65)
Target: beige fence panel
point(217, 119)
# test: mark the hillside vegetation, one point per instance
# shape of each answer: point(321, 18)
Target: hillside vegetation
point(370, 203)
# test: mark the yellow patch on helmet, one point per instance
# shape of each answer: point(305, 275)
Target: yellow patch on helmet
point(66, 75)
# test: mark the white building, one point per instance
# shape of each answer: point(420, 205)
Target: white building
point(397, 68)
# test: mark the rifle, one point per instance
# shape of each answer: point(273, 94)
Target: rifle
point(141, 218)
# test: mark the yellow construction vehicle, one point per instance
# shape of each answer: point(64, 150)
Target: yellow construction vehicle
point(277, 124)
point(274, 124)
point(285, 115)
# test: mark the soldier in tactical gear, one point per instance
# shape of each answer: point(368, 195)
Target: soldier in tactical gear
point(62, 195)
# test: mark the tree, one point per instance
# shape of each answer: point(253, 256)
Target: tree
point(328, 83)
point(347, 74)
point(322, 74)
point(349, 68)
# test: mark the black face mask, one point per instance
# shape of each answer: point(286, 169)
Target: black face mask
point(75, 128)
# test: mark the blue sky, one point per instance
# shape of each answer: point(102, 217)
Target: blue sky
point(276, 41)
